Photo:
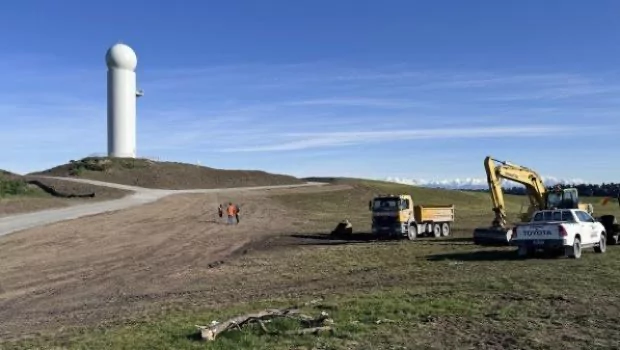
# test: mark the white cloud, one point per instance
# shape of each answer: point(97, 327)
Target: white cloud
point(358, 102)
point(332, 139)
point(484, 79)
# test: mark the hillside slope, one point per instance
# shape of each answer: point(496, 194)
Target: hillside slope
point(164, 175)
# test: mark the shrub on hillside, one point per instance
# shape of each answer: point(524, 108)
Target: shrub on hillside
point(104, 164)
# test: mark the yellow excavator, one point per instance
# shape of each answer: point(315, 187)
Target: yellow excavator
point(540, 198)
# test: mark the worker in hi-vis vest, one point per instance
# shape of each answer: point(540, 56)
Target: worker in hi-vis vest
point(231, 211)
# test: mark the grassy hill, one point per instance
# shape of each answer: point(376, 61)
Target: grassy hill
point(432, 293)
point(164, 175)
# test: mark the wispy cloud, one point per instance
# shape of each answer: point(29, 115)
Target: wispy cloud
point(487, 80)
point(303, 108)
point(557, 93)
point(358, 102)
point(301, 141)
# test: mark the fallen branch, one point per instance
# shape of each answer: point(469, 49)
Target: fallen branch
point(209, 333)
point(315, 324)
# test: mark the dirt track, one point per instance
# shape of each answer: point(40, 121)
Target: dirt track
point(88, 270)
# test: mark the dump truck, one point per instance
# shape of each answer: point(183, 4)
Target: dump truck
point(397, 216)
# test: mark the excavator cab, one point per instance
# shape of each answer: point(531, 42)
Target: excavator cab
point(558, 198)
point(567, 198)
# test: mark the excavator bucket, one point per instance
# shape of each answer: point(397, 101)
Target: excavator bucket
point(344, 228)
point(492, 236)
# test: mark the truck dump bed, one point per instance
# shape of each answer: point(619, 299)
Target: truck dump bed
point(436, 213)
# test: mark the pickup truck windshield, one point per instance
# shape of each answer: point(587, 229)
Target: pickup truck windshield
point(553, 215)
point(386, 204)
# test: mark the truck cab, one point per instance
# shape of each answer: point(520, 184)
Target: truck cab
point(396, 215)
point(391, 214)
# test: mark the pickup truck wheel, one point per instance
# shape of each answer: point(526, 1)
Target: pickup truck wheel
point(523, 251)
point(436, 230)
point(556, 253)
point(412, 232)
point(445, 229)
point(574, 252)
point(602, 244)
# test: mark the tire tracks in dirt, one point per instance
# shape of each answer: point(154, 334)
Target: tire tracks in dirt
point(102, 267)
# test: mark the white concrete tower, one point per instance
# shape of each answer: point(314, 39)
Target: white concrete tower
point(122, 95)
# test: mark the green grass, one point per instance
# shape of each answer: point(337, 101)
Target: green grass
point(473, 209)
point(431, 293)
point(10, 187)
point(430, 299)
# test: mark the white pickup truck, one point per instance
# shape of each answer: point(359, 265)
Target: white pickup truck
point(561, 231)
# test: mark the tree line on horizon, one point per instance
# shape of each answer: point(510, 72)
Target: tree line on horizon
point(585, 190)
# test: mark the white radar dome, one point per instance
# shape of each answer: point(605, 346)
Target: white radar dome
point(121, 56)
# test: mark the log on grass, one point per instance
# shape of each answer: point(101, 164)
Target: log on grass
point(211, 332)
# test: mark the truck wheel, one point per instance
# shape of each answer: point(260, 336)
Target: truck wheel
point(555, 253)
point(436, 230)
point(574, 252)
point(602, 244)
point(445, 229)
point(523, 251)
point(429, 229)
point(412, 232)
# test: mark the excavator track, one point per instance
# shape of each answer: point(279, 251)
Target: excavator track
point(491, 236)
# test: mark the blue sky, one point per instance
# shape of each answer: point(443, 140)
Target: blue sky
point(413, 89)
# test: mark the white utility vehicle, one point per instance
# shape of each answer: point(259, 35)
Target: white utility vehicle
point(561, 231)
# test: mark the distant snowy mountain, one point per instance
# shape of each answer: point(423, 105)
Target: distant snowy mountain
point(476, 183)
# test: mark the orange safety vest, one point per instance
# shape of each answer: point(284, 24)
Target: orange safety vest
point(231, 210)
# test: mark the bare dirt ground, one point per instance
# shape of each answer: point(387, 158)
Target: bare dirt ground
point(91, 269)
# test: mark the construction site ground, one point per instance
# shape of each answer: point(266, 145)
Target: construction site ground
point(142, 278)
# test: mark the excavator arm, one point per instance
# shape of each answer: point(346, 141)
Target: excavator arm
point(537, 193)
point(527, 177)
